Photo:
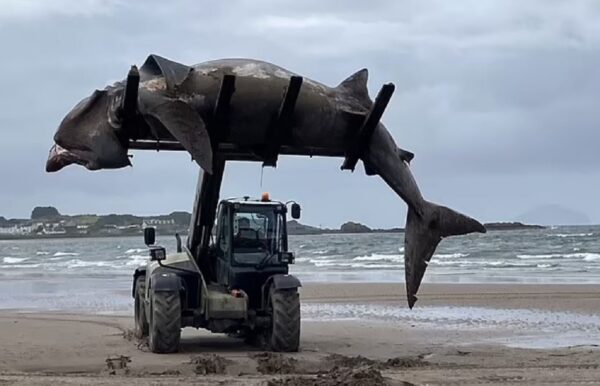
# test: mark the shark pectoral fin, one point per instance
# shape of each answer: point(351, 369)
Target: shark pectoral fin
point(369, 170)
point(187, 126)
point(405, 155)
point(422, 235)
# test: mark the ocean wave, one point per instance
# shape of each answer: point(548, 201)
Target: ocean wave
point(354, 265)
point(482, 264)
point(77, 263)
point(379, 257)
point(66, 254)
point(541, 256)
point(302, 259)
point(364, 265)
point(20, 266)
point(136, 260)
point(547, 265)
point(42, 253)
point(587, 256)
point(136, 250)
point(13, 260)
point(330, 263)
point(450, 255)
point(591, 256)
point(570, 234)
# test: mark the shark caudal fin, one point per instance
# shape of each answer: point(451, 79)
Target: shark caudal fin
point(423, 234)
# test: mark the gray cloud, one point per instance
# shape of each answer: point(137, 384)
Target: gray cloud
point(496, 98)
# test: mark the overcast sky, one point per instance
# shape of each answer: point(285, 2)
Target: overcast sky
point(497, 99)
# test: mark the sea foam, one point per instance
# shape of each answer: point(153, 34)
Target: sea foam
point(13, 260)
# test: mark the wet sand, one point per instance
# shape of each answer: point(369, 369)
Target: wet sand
point(457, 334)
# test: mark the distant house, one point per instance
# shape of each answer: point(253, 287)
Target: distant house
point(19, 229)
point(156, 221)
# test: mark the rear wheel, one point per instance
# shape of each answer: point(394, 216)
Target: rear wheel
point(141, 324)
point(165, 322)
point(285, 326)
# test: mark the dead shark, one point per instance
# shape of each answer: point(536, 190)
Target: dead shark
point(175, 104)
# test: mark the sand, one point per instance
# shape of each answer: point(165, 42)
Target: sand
point(478, 334)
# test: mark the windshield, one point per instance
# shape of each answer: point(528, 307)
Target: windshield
point(257, 232)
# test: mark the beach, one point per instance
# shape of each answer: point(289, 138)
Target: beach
point(351, 334)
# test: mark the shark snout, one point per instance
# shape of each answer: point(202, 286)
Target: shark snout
point(59, 157)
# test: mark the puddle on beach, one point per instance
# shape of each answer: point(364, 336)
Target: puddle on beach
point(519, 328)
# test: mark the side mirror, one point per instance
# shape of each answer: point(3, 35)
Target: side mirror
point(149, 236)
point(295, 211)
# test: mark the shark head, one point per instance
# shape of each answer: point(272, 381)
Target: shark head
point(97, 131)
point(90, 134)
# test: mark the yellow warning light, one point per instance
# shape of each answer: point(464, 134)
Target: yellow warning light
point(265, 197)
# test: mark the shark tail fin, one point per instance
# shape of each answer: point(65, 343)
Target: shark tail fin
point(356, 85)
point(423, 233)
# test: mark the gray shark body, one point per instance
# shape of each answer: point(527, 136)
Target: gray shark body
point(176, 104)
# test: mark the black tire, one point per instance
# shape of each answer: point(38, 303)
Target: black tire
point(285, 326)
point(165, 322)
point(141, 324)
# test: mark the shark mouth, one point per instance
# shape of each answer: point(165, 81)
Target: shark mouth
point(60, 157)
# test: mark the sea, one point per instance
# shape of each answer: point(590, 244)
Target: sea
point(94, 275)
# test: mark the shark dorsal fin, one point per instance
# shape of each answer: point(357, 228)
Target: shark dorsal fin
point(356, 85)
point(173, 72)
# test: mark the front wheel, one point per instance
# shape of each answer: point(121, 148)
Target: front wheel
point(141, 324)
point(285, 324)
point(165, 322)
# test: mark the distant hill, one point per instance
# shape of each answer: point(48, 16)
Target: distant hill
point(42, 212)
point(505, 226)
point(48, 222)
point(553, 215)
point(295, 228)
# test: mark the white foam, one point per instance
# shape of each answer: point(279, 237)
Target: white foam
point(136, 250)
point(21, 265)
point(42, 253)
point(542, 256)
point(136, 260)
point(483, 264)
point(450, 255)
point(66, 254)
point(330, 263)
point(591, 257)
point(547, 265)
point(379, 257)
point(571, 234)
point(77, 263)
point(13, 260)
point(365, 265)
